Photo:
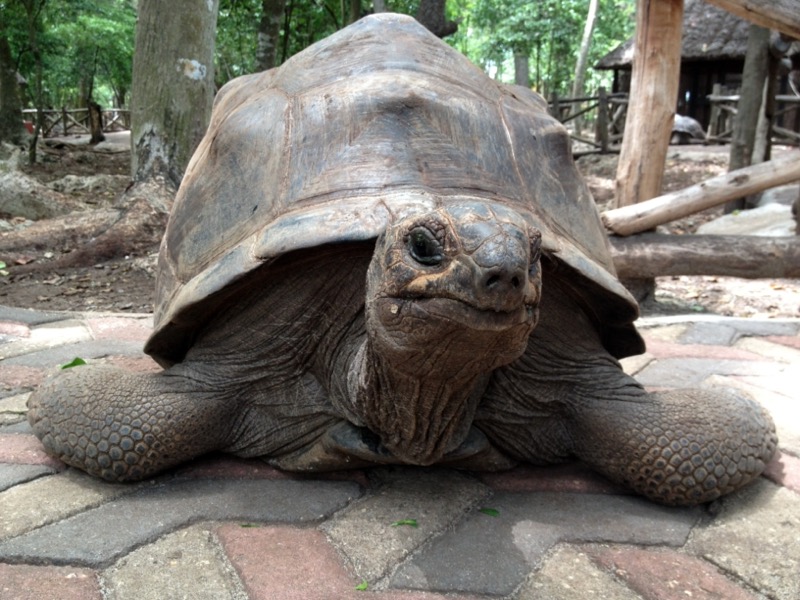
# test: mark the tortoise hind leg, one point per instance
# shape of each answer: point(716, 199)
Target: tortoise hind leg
point(124, 426)
point(679, 447)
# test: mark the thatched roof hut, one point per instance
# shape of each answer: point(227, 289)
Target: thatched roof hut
point(713, 48)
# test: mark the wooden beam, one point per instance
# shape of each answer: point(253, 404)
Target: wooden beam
point(654, 92)
point(707, 194)
point(781, 15)
point(752, 257)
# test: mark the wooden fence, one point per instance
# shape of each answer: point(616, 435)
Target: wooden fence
point(603, 119)
point(70, 121)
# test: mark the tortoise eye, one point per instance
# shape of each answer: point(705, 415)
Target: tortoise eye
point(536, 253)
point(424, 247)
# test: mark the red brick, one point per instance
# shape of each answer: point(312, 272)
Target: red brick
point(24, 582)
point(18, 376)
point(661, 349)
point(119, 329)
point(298, 564)
point(572, 477)
point(667, 575)
point(22, 449)
point(793, 341)
point(784, 470)
point(14, 329)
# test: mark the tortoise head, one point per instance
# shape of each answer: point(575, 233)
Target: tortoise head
point(452, 294)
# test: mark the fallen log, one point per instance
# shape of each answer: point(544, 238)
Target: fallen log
point(707, 194)
point(650, 255)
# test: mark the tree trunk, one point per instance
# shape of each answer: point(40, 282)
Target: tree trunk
point(173, 86)
point(756, 64)
point(379, 6)
point(583, 57)
point(654, 90)
point(352, 13)
point(11, 126)
point(522, 72)
point(641, 217)
point(269, 33)
point(33, 9)
point(752, 257)
point(95, 122)
point(431, 14)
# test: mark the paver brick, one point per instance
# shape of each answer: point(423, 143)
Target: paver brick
point(47, 336)
point(710, 333)
point(290, 563)
point(570, 477)
point(492, 555)
point(569, 574)
point(757, 536)
point(11, 475)
point(25, 582)
point(188, 563)
point(30, 316)
point(99, 536)
point(690, 372)
point(47, 499)
point(15, 377)
point(771, 350)
point(665, 350)
point(434, 498)
point(121, 328)
point(50, 358)
point(14, 330)
point(664, 574)
point(25, 450)
point(784, 470)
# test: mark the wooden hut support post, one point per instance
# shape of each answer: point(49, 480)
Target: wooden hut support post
point(654, 91)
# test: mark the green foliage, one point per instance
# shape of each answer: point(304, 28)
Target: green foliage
point(406, 522)
point(491, 512)
point(75, 362)
point(362, 587)
point(86, 48)
point(547, 31)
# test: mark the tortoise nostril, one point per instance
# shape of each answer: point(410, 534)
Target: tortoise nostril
point(515, 282)
point(492, 281)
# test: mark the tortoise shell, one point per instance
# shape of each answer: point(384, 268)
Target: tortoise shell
point(376, 122)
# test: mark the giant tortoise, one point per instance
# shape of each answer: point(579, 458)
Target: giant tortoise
point(378, 255)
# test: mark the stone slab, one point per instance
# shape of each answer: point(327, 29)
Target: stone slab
point(434, 498)
point(569, 574)
point(11, 475)
point(44, 337)
point(120, 328)
point(570, 477)
point(184, 564)
point(715, 334)
point(26, 582)
point(88, 349)
point(757, 536)
point(29, 316)
point(25, 450)
point(493, 555)
point(770, 350)
point(784, 470)
point(99, 536)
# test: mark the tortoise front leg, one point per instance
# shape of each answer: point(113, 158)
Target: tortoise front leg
point(124, 426)
point(679, 447)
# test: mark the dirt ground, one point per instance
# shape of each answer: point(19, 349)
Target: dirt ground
point(127, 284)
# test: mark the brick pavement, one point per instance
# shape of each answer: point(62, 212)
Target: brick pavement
point(223, 527)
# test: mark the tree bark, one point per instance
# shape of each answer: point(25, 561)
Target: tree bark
point(12, 129)
point(583, 57)
point(781, 15)
point(522, 72)
point(431, 14)
point(173, 85)
point(379, 6)
point(654, 89)
point(751, 257)
point(269, 32)
point(707, 194)
point(95, 122)
point(756, 64)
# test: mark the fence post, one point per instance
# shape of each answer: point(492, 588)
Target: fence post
point(713, 122)
point(601, 125)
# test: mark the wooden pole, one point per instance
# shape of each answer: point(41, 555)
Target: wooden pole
point(781, 15)
point(654, 90)
point(748, 256)
point(707, 194)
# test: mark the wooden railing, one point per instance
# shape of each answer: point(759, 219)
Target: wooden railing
point(67, 121)
point(723, 113)
point(607, 120)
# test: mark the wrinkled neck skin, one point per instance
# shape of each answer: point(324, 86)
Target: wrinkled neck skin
point(417, 379)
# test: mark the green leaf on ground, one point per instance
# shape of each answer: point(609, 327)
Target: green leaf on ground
point(361, 587)
point(75, 362)
point(492, 512)
point(408, 522)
